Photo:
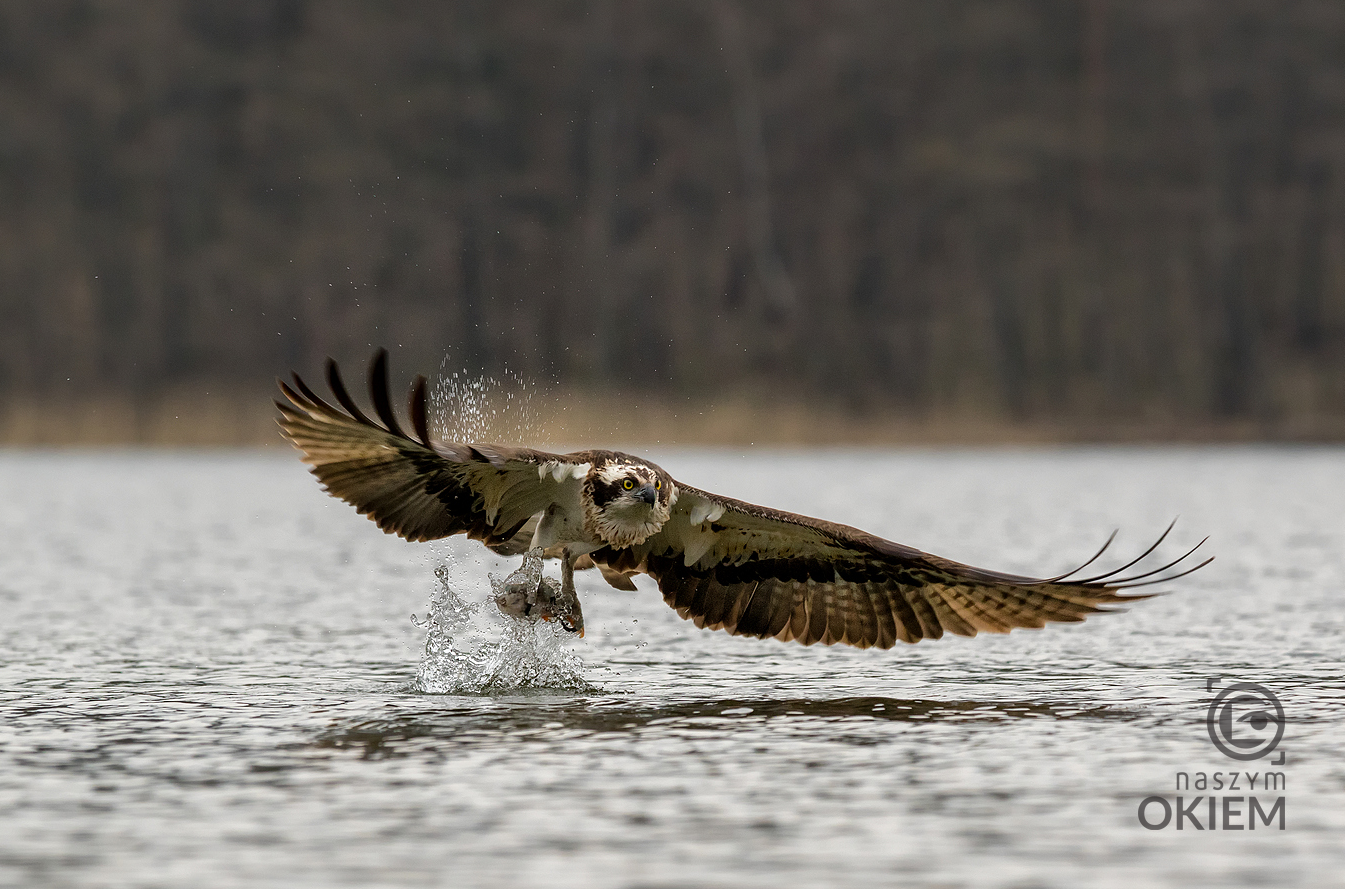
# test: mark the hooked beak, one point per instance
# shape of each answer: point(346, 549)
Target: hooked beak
point(649, 495)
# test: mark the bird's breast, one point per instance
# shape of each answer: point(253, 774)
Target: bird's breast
point(563, 524)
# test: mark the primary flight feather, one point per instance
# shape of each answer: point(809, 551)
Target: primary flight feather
point(722, 563)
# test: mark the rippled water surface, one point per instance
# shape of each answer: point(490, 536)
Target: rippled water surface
point(210, 676)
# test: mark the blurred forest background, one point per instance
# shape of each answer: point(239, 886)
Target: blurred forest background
point(713, 220)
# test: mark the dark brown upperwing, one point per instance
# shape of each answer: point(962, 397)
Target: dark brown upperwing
point(792, 577)
point(418, 488)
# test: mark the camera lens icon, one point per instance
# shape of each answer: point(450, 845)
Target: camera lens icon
point(1245, 721)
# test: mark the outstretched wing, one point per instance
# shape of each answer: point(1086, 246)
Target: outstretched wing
point(418, 488)
point(753, 571)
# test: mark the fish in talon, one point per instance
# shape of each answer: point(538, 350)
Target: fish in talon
point(520, 594)
point(528, 595)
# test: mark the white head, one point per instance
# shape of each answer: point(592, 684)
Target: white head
point(626, 500)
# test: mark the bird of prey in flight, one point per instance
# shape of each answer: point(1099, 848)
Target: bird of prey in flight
point(724, 564)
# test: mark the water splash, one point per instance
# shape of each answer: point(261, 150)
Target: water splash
point(507, 409)
point(471, 648)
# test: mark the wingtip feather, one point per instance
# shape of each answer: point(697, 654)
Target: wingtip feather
point(379, 392)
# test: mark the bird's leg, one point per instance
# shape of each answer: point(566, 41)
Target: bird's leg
point(566, 600)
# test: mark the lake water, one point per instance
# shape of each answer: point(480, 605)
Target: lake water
point(210, 676)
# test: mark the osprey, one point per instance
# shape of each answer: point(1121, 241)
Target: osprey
point(722, 563)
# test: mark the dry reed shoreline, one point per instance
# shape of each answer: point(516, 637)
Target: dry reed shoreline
point(191, 419)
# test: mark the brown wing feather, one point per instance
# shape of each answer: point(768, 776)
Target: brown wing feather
point(419, 490)
point(768, 573)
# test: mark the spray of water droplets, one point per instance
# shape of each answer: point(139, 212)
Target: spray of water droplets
point(500, 410)
point(471, 648)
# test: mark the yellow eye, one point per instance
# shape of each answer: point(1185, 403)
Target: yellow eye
point(658, 485)
point(628, 484)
